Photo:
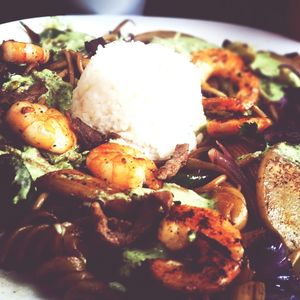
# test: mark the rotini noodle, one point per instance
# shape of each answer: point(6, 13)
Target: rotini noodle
point(69, 276)
point(30, 244)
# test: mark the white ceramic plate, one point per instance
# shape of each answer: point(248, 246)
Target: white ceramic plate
point(215, 32)
point(15, 289)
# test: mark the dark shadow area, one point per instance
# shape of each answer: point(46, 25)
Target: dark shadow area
point(272, 15)
point(269, 15)
point(20, 9)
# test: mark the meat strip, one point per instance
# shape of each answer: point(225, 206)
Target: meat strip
point(33, 94)
point(89, 137)
point(120, 232)
point(172, 166)
point(92, 46)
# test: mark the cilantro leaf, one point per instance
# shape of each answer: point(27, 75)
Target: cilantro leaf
point(271, 90)
point(134, 257)
point(266, 65)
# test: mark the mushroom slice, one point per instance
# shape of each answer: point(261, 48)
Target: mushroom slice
point(75, 184)
point(278, 192)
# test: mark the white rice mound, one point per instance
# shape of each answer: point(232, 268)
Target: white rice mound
point(148, 94)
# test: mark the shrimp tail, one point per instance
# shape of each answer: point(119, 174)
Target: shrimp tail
point(219, 128)
point(23, 53)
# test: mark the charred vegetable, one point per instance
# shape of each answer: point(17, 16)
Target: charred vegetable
point(278, 192)
point(192, 180)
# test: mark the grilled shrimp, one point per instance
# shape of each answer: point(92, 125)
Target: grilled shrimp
point(217, 62)
point(218, 128)
point(122, 167)
point(23, 53)
point(41, 127)
point(210, 248)
point(224, 63)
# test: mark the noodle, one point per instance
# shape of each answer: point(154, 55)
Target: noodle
point(60, 64)
point(197, 152)
point(73, 63)
point(273, 112)
point(40, 201)
point(70, 67)
point(79, 62)
point(30, 68)
point(211, 185)
point(209, 89)
point(63, 73)
point(258, 111)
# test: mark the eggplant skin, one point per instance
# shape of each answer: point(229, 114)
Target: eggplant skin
point(278, 192)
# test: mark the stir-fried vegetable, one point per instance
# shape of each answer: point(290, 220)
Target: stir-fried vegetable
point(36, 164)
point(269, 258)
point(133, 258)
point(58, 93)
point(15, 179)
point(57, 36)
point(175, 228)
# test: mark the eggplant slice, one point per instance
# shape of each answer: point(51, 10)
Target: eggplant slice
point(278, 192)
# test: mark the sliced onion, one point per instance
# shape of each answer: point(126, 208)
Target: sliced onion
point(233, 171)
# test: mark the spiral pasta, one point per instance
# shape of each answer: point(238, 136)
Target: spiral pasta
point(68, 275)
point(29, 245)
point(52, 250)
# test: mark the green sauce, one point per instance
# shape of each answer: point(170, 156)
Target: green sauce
point(184, 44)
point(56, 40)
point(133, 258)
point(18, 83)
point(266, 64)
point(188, 197)
point(58, 35)
point(180, 194)
point(290, 152)
point(59, 92)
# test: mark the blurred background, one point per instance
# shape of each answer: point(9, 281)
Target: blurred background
point(279, 16)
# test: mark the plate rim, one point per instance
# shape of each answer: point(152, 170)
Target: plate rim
point(37, 295)
point(190, 22)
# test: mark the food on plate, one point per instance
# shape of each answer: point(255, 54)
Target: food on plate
point(225, 63)
point(204, 228)
point(279, 193)
point(41, 127)
point(122, 167)
point(219, 128)
point(23, 53)
point(149, 166)
point(231, 203)
point(144, 108)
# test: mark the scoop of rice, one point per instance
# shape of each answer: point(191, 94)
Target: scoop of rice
point(148, 94)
